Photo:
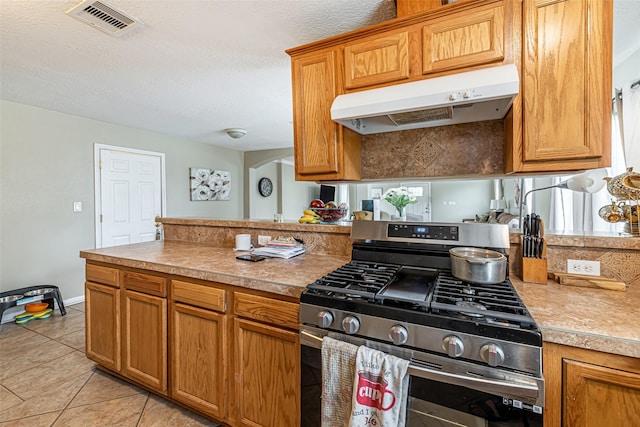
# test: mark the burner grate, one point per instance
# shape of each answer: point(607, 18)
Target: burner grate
point(498, 303)
point(357, 279)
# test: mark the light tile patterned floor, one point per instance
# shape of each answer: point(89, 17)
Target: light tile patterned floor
point(46, 380)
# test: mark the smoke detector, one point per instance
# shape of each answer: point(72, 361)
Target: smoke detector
point(106, 18)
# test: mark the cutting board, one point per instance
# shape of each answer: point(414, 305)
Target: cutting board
point(588, 281)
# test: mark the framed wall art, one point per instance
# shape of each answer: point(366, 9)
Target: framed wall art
point(209, 184)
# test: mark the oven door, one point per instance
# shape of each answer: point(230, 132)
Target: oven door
point(442, 391)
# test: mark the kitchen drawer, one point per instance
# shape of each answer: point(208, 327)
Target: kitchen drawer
point(199, 295)
point(267, 310)
point(101, 274)
point(146, 283)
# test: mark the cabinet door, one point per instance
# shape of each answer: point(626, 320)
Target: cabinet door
point(145, 339)
point(461, 40)
point(377, 59)
point(323, 150)
point(315, 134)
point(567, 81)
point(599, 396)
point(198, 359)
point(267, 375)
point(102, 319)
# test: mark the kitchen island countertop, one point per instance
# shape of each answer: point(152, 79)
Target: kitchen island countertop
point(207, 262)
point(595, 319)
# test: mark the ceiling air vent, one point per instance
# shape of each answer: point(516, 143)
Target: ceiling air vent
point(104, 17)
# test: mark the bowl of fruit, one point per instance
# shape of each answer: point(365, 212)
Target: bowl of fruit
point(328, 212)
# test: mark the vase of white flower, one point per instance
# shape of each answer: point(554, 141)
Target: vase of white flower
point(399, 198)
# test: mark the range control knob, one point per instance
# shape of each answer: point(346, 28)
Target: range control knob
point(492, 354)
point(325, 319)
point(398, 334)
point(467, 94)
point(453, 346)
point(453, 96)
point(350, 324)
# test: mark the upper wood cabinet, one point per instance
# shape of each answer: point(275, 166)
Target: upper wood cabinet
point(323, 150)
point(565, 105)
point(464, 39)
point(377, 59)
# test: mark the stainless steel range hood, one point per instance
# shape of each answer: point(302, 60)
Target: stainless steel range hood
point(470, 96)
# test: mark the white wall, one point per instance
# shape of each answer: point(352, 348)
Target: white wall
point(46, 163)
point(296, 195)
point(289, 197)
point(264, 207)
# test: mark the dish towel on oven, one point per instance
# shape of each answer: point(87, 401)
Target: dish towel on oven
point(338, 370)
point(380, 388)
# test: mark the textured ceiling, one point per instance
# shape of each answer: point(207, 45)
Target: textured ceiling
point(194, 68)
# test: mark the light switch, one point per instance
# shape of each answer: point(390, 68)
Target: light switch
point(77, 206)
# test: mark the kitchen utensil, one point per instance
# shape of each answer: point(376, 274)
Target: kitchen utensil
point(616, 187)
point(243, 242)
point(611, 213)
point(478, 265)
point(589, 281)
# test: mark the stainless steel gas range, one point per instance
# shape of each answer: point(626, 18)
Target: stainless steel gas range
point(475, 352)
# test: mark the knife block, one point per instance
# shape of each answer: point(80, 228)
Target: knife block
point(534, 270)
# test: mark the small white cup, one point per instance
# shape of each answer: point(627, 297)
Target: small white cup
point(243, 242)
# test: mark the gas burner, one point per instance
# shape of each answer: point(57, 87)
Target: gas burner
point(468, 290)
point(471, 305)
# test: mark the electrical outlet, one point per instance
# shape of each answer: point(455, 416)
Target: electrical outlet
point(580, 266)
point(263, 240)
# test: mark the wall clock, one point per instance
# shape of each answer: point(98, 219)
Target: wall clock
point(265, 187)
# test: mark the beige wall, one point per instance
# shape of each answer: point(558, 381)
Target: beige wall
point(46, 164)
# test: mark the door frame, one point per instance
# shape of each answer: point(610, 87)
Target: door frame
point(97, 184)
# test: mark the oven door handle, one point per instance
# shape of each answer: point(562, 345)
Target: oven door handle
point(490, 385)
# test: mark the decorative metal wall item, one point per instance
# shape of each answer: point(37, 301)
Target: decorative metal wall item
point(210, 184)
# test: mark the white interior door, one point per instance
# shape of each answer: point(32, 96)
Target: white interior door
point(421, 210)
point(130, 196)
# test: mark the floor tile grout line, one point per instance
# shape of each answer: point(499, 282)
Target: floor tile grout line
point(31, 416)
point(146, 401)
point(74, 396)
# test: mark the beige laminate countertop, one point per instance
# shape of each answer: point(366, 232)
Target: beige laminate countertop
point(595, 319)
point(201, 261)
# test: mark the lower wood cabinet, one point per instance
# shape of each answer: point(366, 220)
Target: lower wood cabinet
point(198, 360)
point(590, 388)
point(102, 324)
point(144, 339)
point(178, 338)
point(267, 375)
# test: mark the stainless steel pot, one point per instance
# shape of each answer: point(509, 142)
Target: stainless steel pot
point(478, 265)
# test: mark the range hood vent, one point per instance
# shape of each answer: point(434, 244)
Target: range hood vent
point(471, 96)
point(104, 17)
